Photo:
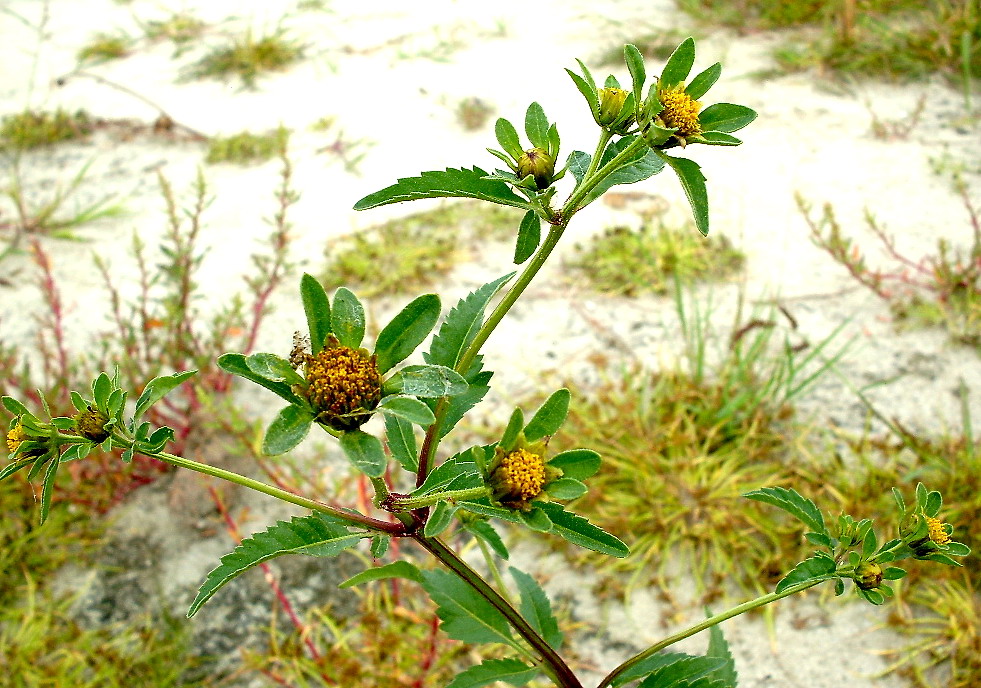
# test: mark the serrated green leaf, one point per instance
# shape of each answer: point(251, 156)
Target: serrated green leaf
point(155, 390)
point(288, 429)
point(274, 368)
point(644, 165)
point(512, 671)
point(449, 183)
point(536, 609)
point(461, 403)
point(578, 164)
point(726, 117)
point(316, 306)
point(428, 381)
point(406, 331)
point(719, 649)
point(576, 463)
point(647, 665)
point(550, 416)
point(461, 325)
point(484, 508)
point(235, 363)
point(485, 531)
point(700, 85)
point(315, 535)
point(579, 531)
point(456, 473)
point(409, 408)
point(529, 237)
point(679, 65)
point(47, 488)
point(466, 615)
point(813, 568)
point(402, 442)
point(693, 183)
point(347, 318)
point(507, 136)
point(536, 126)
point(682, 672)
point(397, 569)
point(788, 499)
point(439, 519)
point(365, 452)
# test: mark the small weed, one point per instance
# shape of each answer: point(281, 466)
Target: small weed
point(104, 47)
point(248, 57)
point(245, 147)
point(349, 151)
point(942, 289)
point(631, 262)
point(37, 128)
point(181, 29)
point(430, 245)
point(473, 113)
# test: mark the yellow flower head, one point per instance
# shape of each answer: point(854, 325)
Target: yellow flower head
point(15, 437)
point(680, 112)
point(343, 385)
point(937, 531)
point(518, 478)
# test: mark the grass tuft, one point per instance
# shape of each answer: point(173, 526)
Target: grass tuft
point(104, 47)
point(38, 128)
point(403, 255)
point(180, 28)
point(246, 148)
point(248, 58)
point(631, 262)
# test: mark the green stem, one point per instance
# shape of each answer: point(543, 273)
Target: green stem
point(436, 497)
point(556, 666)
point(495, 571)
point(591, 182)
point(351, 517)
point(594, 162)
point(711, 621)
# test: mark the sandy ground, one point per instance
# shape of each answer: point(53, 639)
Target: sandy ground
point(371, 66)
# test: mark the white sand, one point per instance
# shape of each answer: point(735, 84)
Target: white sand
point(367, 65)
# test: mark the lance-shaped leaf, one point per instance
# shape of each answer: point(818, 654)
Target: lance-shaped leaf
point(819, 567)
point(456, 473)
point(693, 182)
point(235, 364)
point(788, 499)
point(536, 609)
point(365, 452)
point(536, 126)
point(485, 531)
point(529, 236)
point(644, 165)
point(679, 65)
point(439, 519)
point(347, 318)
point(511, 671)
point(409, 408)
point(47, 490)
point(507, 136)
point(700, 85)
point(726, 117)
point(461, 325)
point(579, 531)
point(402, 441)
point(315, 535)
point(426, 381)
point(576, 463)
point(288, 429)
point(155, 390)
point(316, 306)
point(550, 416)
point(18, 409)
point(465, 614)
point(716, 138)
point(462, 183)
point(719, 649)
point(406, 331)
point(646, 666)
point(635, 65)
point(274, 368)
point(682, 673)
point(397, 569)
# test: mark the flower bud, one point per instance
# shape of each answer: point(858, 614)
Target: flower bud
point(91, 424)
point(868, 576)
point(537, 163)
point(610, 105)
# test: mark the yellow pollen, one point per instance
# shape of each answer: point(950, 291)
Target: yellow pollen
point(524, 473)
point(681, 111)
point(15, 437)
point(937, 532)
point(341, 381)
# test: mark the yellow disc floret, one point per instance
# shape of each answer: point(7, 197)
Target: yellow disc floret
point(680, 112)
point(937, 530)
point(519, 477)
point(343, 385)
point(15, 436)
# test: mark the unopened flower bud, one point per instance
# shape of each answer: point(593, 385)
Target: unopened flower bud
point(91, 424)
point(868, 576)
point(537, 163)
point(611, 105)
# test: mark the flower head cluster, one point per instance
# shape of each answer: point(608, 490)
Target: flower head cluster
point(924, 533)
